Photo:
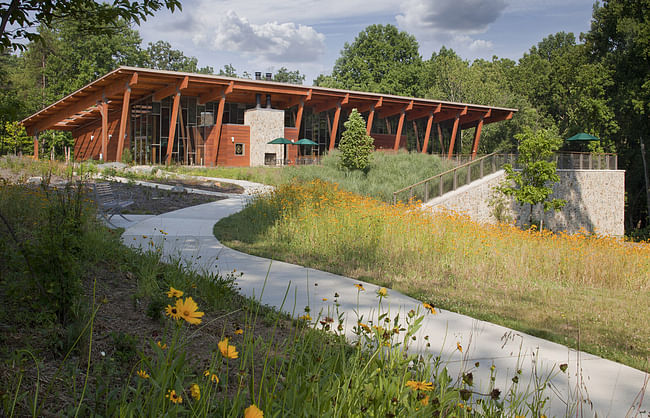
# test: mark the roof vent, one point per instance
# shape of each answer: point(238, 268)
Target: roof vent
point(269, 76)
point(258, 75)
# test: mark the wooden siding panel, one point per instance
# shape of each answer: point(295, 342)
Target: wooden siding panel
point(227, 156)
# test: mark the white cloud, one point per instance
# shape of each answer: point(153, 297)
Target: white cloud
point(450, 16)
point(271, 41)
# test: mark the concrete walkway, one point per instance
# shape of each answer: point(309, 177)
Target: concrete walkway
point(590, 385)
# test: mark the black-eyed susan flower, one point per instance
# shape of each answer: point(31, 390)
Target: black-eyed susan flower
point(253, 412)
point(417, 385)
point(429, 307)
point(188, 310)
point(143, 374)
point(172, 312)
point(195, 391)
point(359, 286)
point(174, 397)
point(459, 347)
point(174, 293)
point(239, 331)
point(227, 350)
point(161, 345)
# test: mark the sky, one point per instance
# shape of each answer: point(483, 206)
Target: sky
point(308, 35)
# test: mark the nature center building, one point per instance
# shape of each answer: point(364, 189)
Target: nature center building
point(175, 117)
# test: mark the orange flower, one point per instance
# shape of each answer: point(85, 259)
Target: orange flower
point(417, 385)
point(253, 412)
point(172, 396)
point(227, 350)
point(429, 307)
point(459, 347)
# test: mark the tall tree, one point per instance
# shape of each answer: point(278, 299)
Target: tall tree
point(380, 59)
point(283, 75)
point(161, 56)
point(21, 17)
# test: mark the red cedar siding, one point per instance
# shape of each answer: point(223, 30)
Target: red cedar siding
point(387, 141)
point(292, 150)
point(85, 149)
point(227, 156)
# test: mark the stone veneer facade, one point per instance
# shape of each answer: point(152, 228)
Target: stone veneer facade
point(595, 202)
point(265, 125)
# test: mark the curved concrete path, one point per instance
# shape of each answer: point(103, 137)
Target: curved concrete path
point(590, 386)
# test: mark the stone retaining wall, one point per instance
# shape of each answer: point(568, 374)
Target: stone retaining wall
point(595, 202)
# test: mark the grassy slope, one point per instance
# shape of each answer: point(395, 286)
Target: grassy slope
point(549, 286)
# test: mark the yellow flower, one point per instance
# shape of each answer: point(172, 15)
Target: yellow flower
point(429, 307)
point(172, 312)
point(360, 287)
point(423, 385)
point(172, 396)
point(459, 347)
point(174, 293)
point(239, 331)
point(382, 292)
point(213, 377)
point(227, 350)
point(253, 412)
point(195, 391)
point(143, 374)
point(425, 401)
point(324, 299)
point(364, 326)
point(162, 346)
point(305, 317)
point(187, 309)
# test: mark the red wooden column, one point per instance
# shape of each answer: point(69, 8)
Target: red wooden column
point(398, 134)
point(103, 109)
point(218, 123)
point(123, 123)
point(301, 106)
point(335, 126)
point(172, 127)
point(36, 145)
point(442, 147)
point(477, 137)
point(454, 131)
point(427, 134)
point(371, 117)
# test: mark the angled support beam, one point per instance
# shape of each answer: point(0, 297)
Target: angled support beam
point(418, 114)
point(218, 123)
point(335, 126)
point(453, 136)
point(346, 99)
point(123, 123)
point(477, 137)
point(301, 106)
point(172, 127)
point(103, 108)
point(398, 133)
point(327, 106)
point(373, 105)
point(427, 134)
point(442, 147)
point(396, 111)
point(371, 117)
point(216, 93)
point(171, 89)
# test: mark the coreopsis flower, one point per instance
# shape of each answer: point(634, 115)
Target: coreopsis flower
point(143, 374)
point(305, 317)
point(429, 307)
point(172, 312)
point(253, 412)
point(227, 350)
point(174, 293)
point(161, 345)
point(382, 292)
point(187, 309)
point(213, 377)
point(195, 391)
point(174, 397)
point(417, 385)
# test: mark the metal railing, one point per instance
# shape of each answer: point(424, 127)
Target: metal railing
point(473, 170)
point(453, 179)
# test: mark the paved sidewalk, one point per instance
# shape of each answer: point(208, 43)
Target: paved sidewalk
point(591, 384)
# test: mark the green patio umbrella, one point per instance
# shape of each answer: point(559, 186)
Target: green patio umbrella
point(281, 141)
point(583, 137)
point(305, 141)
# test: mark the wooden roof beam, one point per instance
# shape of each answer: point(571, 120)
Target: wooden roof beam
point(171, 89)
point(296, 101)
point(216, 93)
point(421, 113)
point(91, 100)
point(324, 107)
point(396, 111)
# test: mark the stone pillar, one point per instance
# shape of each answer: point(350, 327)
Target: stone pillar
point(265, 125)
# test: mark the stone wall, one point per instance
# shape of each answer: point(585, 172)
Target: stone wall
point(595, 202)
point(265, 125)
